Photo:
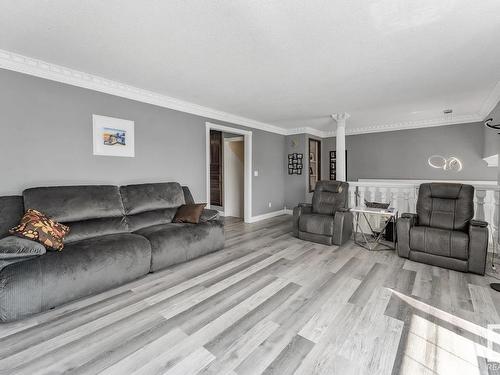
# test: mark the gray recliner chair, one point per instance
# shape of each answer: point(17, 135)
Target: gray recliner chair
point(327, 220)
point(442, 232)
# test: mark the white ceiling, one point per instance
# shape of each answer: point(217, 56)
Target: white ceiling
point(289, 63)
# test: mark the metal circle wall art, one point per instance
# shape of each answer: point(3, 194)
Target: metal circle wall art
point(448, 164)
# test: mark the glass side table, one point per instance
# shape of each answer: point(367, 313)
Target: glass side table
point(372, 238)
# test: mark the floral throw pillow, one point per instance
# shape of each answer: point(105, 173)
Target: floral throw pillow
point(38, 227)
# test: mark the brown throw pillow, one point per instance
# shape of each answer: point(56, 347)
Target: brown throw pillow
point(38, 227)
point(189, 213)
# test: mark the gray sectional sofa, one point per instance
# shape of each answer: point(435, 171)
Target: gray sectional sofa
point(118, 234)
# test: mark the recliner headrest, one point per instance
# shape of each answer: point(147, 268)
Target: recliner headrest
point(445, 190)
point(331, 186)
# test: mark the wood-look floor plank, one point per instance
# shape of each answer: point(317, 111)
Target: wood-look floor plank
point(269, 303)
point(190, 365)
point(220, 343)
point(319, 323)
point(239, 348)
point(318, 360)
point(144, 354)
point(290, 357)
point(175, 354)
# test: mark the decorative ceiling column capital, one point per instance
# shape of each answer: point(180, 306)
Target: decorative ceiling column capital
point(340, 117)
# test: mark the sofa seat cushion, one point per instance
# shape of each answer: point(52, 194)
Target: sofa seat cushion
point(443, 242)
point(178, 242)
point(83, 268)
point(317, 224)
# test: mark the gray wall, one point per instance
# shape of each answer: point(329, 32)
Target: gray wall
point(46, 139)
point(403, 154)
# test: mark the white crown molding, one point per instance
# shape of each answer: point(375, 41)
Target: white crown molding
point(306, 130)
point(27, 65)
point(378, 128)
point(35, 67)
point(414, 124)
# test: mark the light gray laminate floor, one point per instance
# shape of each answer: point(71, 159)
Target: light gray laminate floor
point(270, 303)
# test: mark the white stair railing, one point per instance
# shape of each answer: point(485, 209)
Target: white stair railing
point(403, 196)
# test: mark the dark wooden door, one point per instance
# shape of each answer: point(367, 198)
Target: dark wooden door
point(216, 167)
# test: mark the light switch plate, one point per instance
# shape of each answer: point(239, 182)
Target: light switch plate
point(256, 173)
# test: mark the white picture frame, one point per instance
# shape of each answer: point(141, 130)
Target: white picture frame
point(113, 136)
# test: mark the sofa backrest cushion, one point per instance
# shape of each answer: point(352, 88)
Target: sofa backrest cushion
point(11, 212)
point(329, 197)
point(445, 205)
point(89, 211)
point(151, 204)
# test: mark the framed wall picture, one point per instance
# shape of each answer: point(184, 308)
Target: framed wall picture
point(295, 163)
point(113, 136)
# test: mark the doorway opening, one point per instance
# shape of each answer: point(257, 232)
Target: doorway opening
point(229, 171)
point(233, 175)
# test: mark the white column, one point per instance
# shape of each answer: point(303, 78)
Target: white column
point(340, 118)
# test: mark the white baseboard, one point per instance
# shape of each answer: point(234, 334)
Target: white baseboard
point(287, 211)
point(269, 215)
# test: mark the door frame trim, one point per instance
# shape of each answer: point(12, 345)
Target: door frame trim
point(225, 143)
point(247, 139)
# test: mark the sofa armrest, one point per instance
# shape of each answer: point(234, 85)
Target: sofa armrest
point(478, 246)
point(302, 208)
point(342, 226)
point(403, 227)
point(209, 215)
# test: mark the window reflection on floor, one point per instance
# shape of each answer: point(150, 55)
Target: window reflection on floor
point(434, 349)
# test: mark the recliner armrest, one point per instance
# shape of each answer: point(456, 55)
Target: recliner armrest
point(413, 218)
point(302, 208)
point(407, 215)
point(478, 246)
point(342, 226)
point(344, 209)
point(479, 223)
point(403, 227)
